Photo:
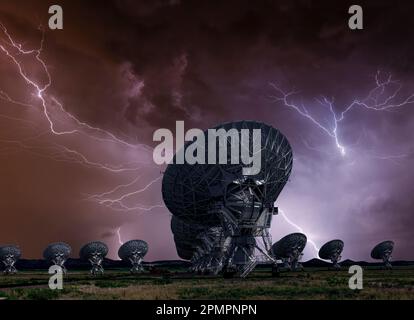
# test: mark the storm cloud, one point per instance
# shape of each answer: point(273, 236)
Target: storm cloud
point(132, 67)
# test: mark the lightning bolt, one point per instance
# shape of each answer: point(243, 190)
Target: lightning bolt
point(118, 203)
point(384, 96)
point(118, 232)
point(40, 91)
point(55, 115)
point(314, 246)
point(393, 157)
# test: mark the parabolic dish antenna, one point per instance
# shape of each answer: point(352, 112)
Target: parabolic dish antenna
point(222, 195)
point(383, 251)
point(9, 255)
point(57, 253)
point(332, 251)
point(189, 189)
point(290, 249)
point(294, 242)
point(134, 251)
point(94, 252)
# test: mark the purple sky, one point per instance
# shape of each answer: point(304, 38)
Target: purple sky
point(123, 70)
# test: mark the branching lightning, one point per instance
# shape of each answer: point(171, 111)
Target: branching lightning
point(384, 96)
point(119, 203)
point(54, 112)
point(314, 246)
point(40, 91)
point(118, 233)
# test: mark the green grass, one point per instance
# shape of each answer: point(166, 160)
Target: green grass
point(34, 294)
point(269, 292)
point(111, 284)
point(120, 284)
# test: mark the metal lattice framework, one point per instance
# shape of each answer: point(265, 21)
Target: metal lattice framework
point(383, 251)
point(134, 252)
point(209, 254)
point(220, 195)
point(332, 251)
point(189, 243)
point(94, 252)
point(289, 249)
point(57, 254)
point(188, 190)
point(9, 255)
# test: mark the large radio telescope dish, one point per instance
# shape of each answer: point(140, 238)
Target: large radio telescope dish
point(289, 244)
point(383, 251)
point(58, 248)
point(189, 190)
point(290, 249)
point(10, 250)
point(9, 255)
point(131, 247)
point(57, 253)
point(94, 252)
point(223, 196)
point(91, 248)
point(134, 252)
point(332, 251)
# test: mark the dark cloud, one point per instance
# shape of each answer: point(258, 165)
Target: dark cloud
point(131, 67)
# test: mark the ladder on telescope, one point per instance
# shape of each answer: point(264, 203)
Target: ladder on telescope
point(249, 267)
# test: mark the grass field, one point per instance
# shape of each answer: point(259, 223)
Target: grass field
point(176, 284)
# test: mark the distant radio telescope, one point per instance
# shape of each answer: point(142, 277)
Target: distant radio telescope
point(234, 209)
point(383, 251)
point(94, 252)
point(57, 254)
point(289, 249)
point(9, 255)
point(332, 251)
point(134, 251)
